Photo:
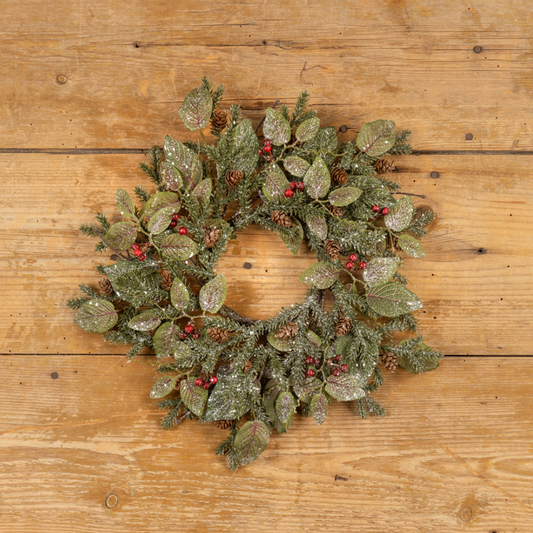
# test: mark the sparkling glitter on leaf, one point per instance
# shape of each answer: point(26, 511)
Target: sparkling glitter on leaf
point(307, 129)
point(317, 225)
point(196, 109)
point(285, 406)
point(411, 246)
point(97, 316)
point(238, 149)
point(344, 196)
point(294, 239)
point(308, 389)
point(314, 338)
point(317, 179)
point(275, 183)
point(179, 295)
point(193, 396)
point(202, 192)
point(399, 217)
point(283, 345)
point(251, 441)
point(161, 220)
point(276, 127)
point(380, 269)
point(213, 294)
point(184, 160)
point(376, 138)
point(319, 408)
point(145, 321)
point(160, 201)
point(392, 299)
point(121, 235)
point(296, 166)
point(166, 339)
point(320, 275)
point(178, 247)
point(344, 388)
point(229, 399)
point(171, 176)
point(163, 386)
point(269, 404)
point(125, 204)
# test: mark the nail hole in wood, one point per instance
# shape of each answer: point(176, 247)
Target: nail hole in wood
point(478, 49)
point(136, 45)
point(482, 251)
point(343, 129)
point(434, 175)
point(61, 79)
point(469, 136)
point(54, 375)
point(111, 501)
point(247, 266)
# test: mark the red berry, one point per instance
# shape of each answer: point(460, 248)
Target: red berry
point(135, 246)
point(189, 328)
point(375, 208)
point(206, 385)
point(349, 265)
point(309, 360)
point(173, 224)
point(137, 252)
point(260, 151)
point(317, 361)
point(362, 265)
point(199, 382)
point(310, 372)
point(195, 335)
point(288, 193)
point(142, 257)
point(300, 185)
point(385, 210)
point(353, 257)
point(336, 372)
point(344, 368)
point(338, 357)
point(266, 142)
point(183, 335)
point(183, 231)
point(293, 185)
point(267, 148)
point(175, 216)
point(214, 380)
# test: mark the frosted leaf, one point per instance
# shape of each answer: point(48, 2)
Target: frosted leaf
point(317, 225)
point(296, 165)
point(283, 345)
point(376, 138)
point(161, 220)
point(179, 295)
point(275, 183)
point(342, 344)
point(308, 389)
point(166, 338)
point(314, 338)
point(276, 127)
point(213, 294)
point(380, 269)
point(159, 201)
point(399, 217)
point(317, 179)
point(196, 109)
point(294, 239)
point(307, 129)
point(125, 204)
point(97, 316)
point(320, 275)
point(244, 150)
point(251, 441)
point(285, 406)
point(170, 176)
point(319, 408)
point(202, 192)
point(344, 388)
point(178, 247)
point(163, 386)
point(344, 196)
point(121, 235)
point(392, 299)
point(229, 399)
point(193, 396)
point(411, 246)
point(184, 160)
point(145, 321)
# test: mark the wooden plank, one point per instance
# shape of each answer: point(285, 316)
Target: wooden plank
point(80, 76)
point(475, 303)
point(454, 455)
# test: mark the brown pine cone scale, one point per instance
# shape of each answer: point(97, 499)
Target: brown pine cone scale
point(211, 236)
point(335, 210)
point(167, 280)
point(390, 362)
point(218, 335)
point(331, 248)
point(233, 178)
point(105, 286)
point(344, 326)
point(288, 331)
point(339, 175)
point(383, 166)
point(219, 120)
point(281, 219)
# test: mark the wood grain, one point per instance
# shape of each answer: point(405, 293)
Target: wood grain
point(113, 75)
point(454, 455)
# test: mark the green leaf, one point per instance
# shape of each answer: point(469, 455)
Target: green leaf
point(145, 321)
point(275, 183)
point(183, 354)
point(296, 165)
point(307, 389)
point(178, 247)
point(125, 204)
point(294, 238)
point(179, 295)
point(196, 109)
point(269, 404)
point(411, 246)
point(344, 388)
point(376, 138)
point(285, 406)
point(202, 192)
point(213, 294)
point(184, 160)
point(229, 399)
point(251, 441)
point(320, 275)
point(317, 225)
point(319, 408)
point(282, 345)
point(344, 196)
point(399, 217)
point(121, 235)
point(96, 316)
point(380, 269)
point(166, 339)
point(159, 201)
point(392, 299)
point(276, 128)
point(171, 176)
point(314, 338)
point(317, 179)
point(163, 386)
point(193, 396)
point(307, 129)
point(125, 268)
point(161, 220)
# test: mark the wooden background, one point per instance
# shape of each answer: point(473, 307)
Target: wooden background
point(88, 86)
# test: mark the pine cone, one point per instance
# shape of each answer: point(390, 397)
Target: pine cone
point(281, 219)
point(219, 120)
point(105, 286)
point(390, 362)
point(288, 331)
point(332, 249)
point(384, 167)
point(344, 326)
point(211, 236)
point(167, 280)
point(218, 335)
point(224, 424)
point(233, 177)
point(335, 210)
point(247, 366)
point(339, 175)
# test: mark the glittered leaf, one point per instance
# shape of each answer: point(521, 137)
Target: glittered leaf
point(96, 316)
point(166, 338)
point(251, 441)
point(380, 269)
point(269, 404)
point(184, 160)
point(170, 176)
point(294, 238)
point(145, 321)
point(183, 354)
point(283, 345)
point(344, 196)
point(121, 235)
point(125, 268)
point(125, 203)
point(320, 275)
point(285, 406)
point(296, 166)
point(179, 295)
point(196, 109)
point(411, 246)
point(307, 129)
point(213, 294)
point(275, 183)
point(202, 192)
point(314, 338)
point(399, 217)
point(193, 396)
point(376, 138)
point(178, 247)
point(276, 128)
point(344, 388)
point(317, 179)
point(319, 408)
point(392, 299)
point(317, 225)
point(229, 399)
point(163, 386)
point(342, 344)
point(160, 201)
point(161, 220)
point(308, 389)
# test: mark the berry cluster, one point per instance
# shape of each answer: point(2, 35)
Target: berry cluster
point(213, 380)
point(380, 210)
point(311, 361)
point(350, 265)
point(190, 330)
point(297, 186)
point(337, 368)
point(138, 252)
point(267, 148)
point(174, 222)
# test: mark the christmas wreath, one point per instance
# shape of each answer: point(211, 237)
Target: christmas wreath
point(162, 290)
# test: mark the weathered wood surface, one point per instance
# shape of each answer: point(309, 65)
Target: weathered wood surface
point(454, 455)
